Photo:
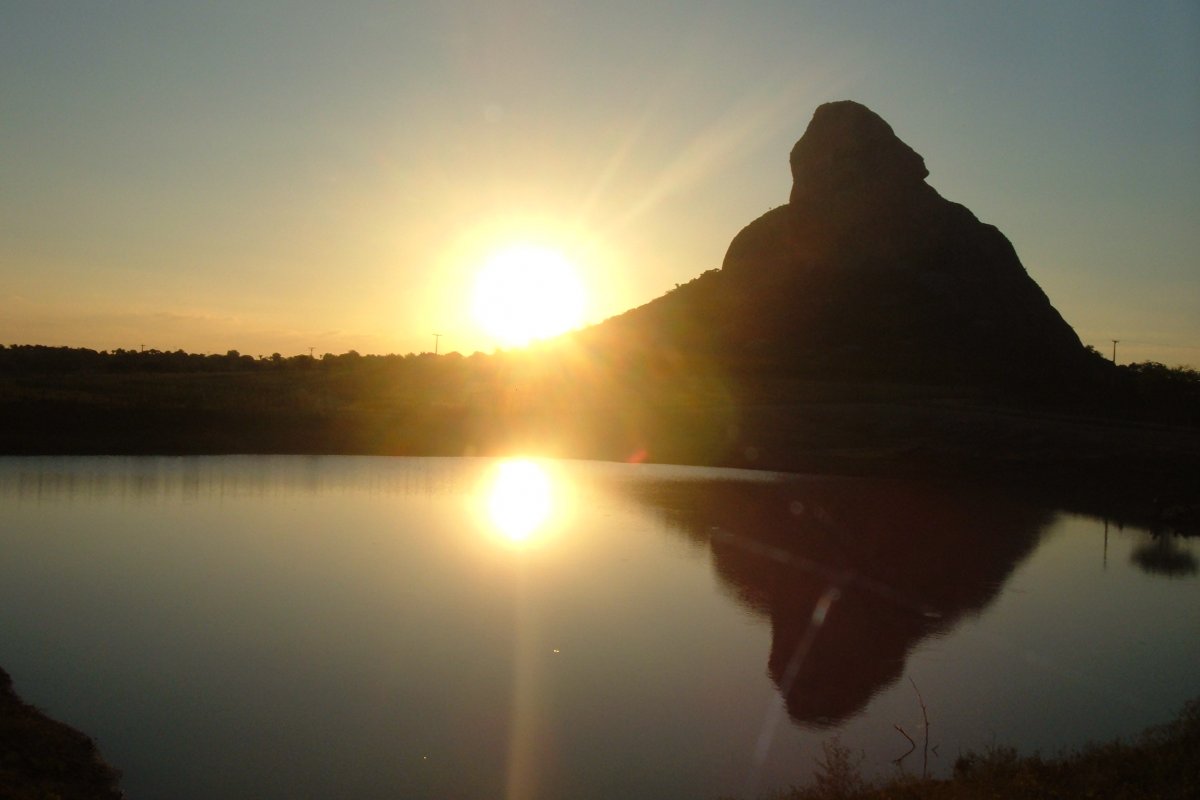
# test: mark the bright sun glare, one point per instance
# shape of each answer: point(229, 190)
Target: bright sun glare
point(519, 499)
point(525, 292)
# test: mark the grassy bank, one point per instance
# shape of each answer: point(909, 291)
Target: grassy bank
point(1163, 763)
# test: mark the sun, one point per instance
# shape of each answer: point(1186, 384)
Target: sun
point(527, 292)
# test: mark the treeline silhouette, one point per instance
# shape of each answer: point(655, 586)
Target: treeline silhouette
point(1155, 391)
point(77, 400)
point(43, 359)
point(1147, 391)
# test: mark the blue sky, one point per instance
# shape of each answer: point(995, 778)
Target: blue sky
point(273, 176)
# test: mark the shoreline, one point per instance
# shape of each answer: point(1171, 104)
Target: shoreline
point(1129, 472)
point(41, 757)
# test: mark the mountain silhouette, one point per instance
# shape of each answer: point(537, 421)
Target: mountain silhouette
point(866, 273)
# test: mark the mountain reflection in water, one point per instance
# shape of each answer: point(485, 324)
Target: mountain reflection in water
point(851, 580)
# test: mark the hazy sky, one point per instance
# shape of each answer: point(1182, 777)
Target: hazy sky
point(270, 176)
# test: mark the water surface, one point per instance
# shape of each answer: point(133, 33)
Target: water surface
point(373, 627)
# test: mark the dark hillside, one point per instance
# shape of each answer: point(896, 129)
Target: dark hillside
point(868, 274)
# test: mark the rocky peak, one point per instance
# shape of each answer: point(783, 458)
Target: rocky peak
point(848, 148)
point(867, 273)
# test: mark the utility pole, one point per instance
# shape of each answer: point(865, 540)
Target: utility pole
point(1114, 341)
point(310, 355)
point(436, 337)
point(1104, 563)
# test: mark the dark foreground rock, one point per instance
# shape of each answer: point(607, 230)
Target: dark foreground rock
point(42, 758)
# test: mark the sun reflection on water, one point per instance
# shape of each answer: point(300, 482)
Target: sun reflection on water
point(521, 500)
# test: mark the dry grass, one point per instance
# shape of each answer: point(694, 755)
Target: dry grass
point(1163, 763)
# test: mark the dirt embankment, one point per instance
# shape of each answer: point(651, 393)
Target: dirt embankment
point(42, 758)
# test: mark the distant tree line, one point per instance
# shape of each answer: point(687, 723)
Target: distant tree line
point(42, 359)
point(1148, 391)
point(1157, 393)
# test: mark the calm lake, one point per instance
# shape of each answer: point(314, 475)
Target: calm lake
point(314, 627)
